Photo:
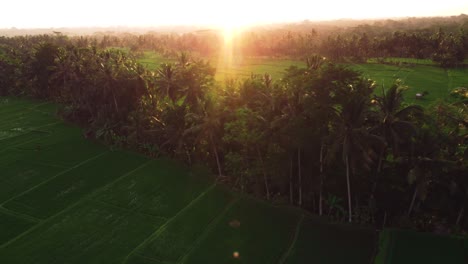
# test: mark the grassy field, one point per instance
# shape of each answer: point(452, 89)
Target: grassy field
point(64, 199)
point(153, 60)
point(405, 247)
point(402, 61)
point(242, 68)
point(419, 75)
point(436, 81)
point(327, 238)
point(238, 68)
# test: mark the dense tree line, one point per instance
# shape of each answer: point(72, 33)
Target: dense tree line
point(443, 40)
point(320, 137)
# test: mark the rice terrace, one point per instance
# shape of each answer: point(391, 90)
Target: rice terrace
point(244, 132)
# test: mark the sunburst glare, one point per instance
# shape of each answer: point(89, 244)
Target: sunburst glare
point(230, 32)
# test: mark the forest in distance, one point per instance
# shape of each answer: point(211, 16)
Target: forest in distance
point(322, 136)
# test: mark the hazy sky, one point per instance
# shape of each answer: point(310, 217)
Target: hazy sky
point(85, 13)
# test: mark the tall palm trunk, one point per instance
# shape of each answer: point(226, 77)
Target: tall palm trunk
point(413, 200)
point(349, 188)
point(265, 178)
point(460, 215)
point(215, 150)
point(321, 179)
point(379, 169)
point(299, 174)
point(291, 189)
point(115, 102)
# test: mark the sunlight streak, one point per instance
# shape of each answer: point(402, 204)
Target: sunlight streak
point(226, 57)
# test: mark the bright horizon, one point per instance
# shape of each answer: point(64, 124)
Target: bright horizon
point(143, 13)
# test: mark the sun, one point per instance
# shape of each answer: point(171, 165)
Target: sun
point(230, 29)
point(230, 26)
point(228, 34)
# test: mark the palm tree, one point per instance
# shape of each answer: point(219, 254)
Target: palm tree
point(314, 62)
point(353, 138)
point(194, 79)
point(396, 121)
point(291, 118)
point(207, 125)
point(165, 78)
point(248, 131)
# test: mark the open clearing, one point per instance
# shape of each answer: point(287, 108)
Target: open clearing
point(436, 81)
point(419, 76)
point(64, 199)
point(238, 68)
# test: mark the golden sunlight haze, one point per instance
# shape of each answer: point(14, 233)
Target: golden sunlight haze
point(87, 13)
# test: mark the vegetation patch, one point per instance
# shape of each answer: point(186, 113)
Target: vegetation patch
point(183, 233)
point(405, 246)
point(150, 189)
point(54, 195)
point(332, 243)
point(12, 226)
point(91, 232)
point(262, 235)
point(19, 176)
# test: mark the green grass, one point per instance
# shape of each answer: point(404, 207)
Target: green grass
point(153, 60)
point(436, 81)
point(404, 61)
point(175, 240)
point(89, 233)
point(356, 245)
point(243, 68)
point(56, 150)
point(419, 75)
point(403, 246)
point(11, 226)
point(69, 186)
point(239, 68)
point(21, 138)
point(151, 190)
point(263, 235)
point(19, 176)
point(465, 249)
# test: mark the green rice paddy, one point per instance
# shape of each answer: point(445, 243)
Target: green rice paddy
point(405, 247)
point(64, 199)
point(237, 68)
point(435, 81)
point(420, 76)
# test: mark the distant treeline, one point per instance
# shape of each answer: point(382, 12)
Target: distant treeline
point(318, 138)
point(443, 40)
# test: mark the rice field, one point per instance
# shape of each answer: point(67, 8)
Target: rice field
point(405, 247)
point(420, 76)
point(435, 81)
point(65, 199)
point(237, 68)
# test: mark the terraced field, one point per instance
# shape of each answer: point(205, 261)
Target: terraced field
point(64, 199)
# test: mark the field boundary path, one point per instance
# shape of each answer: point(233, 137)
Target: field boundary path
point(293, 241)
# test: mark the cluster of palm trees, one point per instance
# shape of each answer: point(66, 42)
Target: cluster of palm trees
point(320, 137)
